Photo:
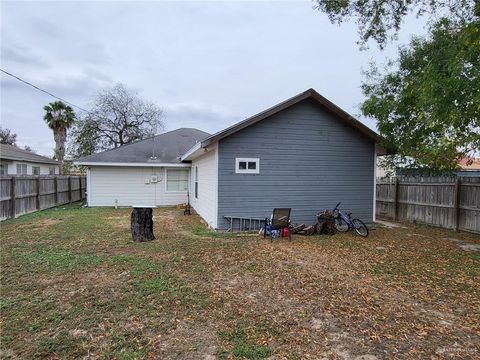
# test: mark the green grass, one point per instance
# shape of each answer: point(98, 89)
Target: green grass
point(46, 258)
point(74, 285)
point(201, 230)
point(43, 266)
point(243, 347)
point(475, 256)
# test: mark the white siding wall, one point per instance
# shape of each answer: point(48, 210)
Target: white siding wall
point(127, 186)
point(206, 204)
point(44, 168)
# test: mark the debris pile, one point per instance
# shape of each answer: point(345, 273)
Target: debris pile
point(325, 225)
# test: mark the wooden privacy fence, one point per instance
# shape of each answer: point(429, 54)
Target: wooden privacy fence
point(25, 194)
point(449, 202)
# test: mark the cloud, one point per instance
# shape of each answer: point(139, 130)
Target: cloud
point(208, 64)
point(201, 116)
point(14, 55)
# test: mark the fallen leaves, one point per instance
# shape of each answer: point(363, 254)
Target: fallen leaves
point(402, 293)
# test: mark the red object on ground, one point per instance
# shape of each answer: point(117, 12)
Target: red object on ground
point(285, 232)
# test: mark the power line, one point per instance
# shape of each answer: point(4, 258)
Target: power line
point(42, 90)
point(61, 99)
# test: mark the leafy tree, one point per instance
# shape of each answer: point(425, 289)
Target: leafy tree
point(429, 107)
point(381, 20)
point(59, 117)
point(70, 169)
point(7, 137)
point(117, 117)
point(427, 102)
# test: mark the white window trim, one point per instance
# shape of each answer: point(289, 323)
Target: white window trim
point(4, 168)
point(22, 166)
point(247, 171)
point(176, 191)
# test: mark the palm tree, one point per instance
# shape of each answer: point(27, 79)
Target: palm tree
point(59, 117)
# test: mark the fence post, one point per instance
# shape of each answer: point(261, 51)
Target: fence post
point(55, 188)
point(37, 199)
point(13, 194)
point(395, 200)
point(70, 188)
point(456, 199)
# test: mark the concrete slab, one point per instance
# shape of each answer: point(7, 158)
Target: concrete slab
point(389, 224)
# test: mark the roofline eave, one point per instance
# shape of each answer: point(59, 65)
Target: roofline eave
point(311, 93)
point(192, 152)
point(131, 164)
point(50, 162)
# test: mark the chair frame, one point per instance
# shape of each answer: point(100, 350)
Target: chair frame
point(279, 221)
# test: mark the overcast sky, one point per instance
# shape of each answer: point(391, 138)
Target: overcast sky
point(207, 64)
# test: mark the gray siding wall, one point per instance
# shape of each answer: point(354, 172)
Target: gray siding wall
point(309, 161)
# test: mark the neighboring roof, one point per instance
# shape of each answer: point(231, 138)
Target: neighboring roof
point(10, 152)
point(167, 147)
point(309, 94)
point(474, 163)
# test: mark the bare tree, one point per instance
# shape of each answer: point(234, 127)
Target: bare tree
point(117, 117)
point(7, 137)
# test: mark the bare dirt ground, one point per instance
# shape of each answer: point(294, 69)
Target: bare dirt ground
point(75, 286)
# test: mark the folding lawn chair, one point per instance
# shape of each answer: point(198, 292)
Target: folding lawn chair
point(279, 222)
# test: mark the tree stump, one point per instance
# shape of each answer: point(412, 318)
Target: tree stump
point(141, 223)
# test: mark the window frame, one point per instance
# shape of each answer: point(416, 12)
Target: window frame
point(176, 191)
point(247, 170)
point(3, 169)
point(33, 170)
point(22, 166)
point(50, 168)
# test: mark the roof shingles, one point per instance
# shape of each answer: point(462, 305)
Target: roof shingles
point(13, 153)
point(165, 148)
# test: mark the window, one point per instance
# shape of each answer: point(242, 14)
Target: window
point(247, 165)
point(21, 169)
point(51, 170)
point(35, 170)
point(177, 180)
point(3, 169)
point(196, 182)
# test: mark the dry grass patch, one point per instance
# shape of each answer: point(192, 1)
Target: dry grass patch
point(81, 288)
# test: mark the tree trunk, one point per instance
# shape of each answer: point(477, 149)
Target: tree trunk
point(60, 136)
point(141, 222)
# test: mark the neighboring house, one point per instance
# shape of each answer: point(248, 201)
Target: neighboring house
point(16, 161)
point(304, 153)
point(468, 167)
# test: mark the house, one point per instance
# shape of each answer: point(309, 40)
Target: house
point(469, 167)
point(148, 172)
point(16, 161)
point(305, 153)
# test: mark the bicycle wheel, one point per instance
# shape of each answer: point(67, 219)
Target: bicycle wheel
point(360, 227)
point(341, 225)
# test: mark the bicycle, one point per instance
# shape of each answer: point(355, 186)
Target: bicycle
point(344, 222)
